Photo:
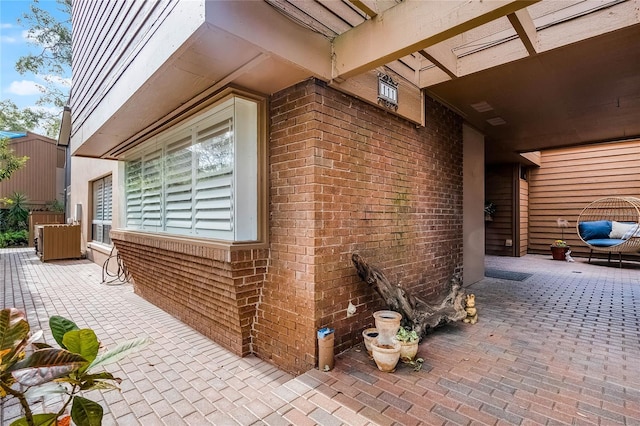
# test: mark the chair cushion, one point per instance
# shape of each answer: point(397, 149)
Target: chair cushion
point(604, 242)
point(596, 229)
point(619, 229)
point(634, 231)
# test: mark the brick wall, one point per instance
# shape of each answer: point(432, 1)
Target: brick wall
point(214, 290)
point(348, 177)
point(345, 177)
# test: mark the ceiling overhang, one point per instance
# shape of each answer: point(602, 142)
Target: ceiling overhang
point(462, 52)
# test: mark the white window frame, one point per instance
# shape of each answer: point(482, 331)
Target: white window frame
point(226, 204)
point(102, 214)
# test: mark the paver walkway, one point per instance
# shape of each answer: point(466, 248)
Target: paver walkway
point(560, 347)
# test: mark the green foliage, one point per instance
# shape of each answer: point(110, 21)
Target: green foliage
point(55, 206)
point(51, 371)
point(59, 327)
point(14, 119)
point(9, 162)
point(16, 217)
point(14, 238)
point(53, 40)
point(406, 335)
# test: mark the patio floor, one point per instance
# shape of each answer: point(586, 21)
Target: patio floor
point(562, 346)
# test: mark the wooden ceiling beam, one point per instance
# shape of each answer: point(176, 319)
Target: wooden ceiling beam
point(526, 29)
point(443, 57)
point(367, 7)
point(409, 27)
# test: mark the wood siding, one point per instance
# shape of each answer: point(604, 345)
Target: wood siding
point(37, 179)
point(499, 189)
point(523, 216)
point(571, 178)
point(101, 57)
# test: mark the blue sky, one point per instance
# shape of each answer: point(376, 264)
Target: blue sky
point(21, 89)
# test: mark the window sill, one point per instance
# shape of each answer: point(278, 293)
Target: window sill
point(179, 243)
point(102, 248)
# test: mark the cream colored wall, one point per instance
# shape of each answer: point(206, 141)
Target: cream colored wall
point(83, 172)
point(473, 206)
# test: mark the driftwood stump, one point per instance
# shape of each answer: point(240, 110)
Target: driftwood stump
point(418, 314)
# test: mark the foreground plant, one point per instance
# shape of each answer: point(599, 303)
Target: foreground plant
point(31, 370)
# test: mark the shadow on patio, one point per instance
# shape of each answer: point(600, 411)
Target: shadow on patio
point(561, 346)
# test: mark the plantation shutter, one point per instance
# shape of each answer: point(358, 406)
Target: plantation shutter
point(98, 209)
point(97, 200)
point(152, 191)
point(133, 172)
point(107, 209)
point(178, 186)
point(214, 176)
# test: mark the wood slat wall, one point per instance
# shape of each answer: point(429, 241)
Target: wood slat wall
point(499, 189)
point(523, 243)
point(37, 179)
point(571, 178)
point(104, 55)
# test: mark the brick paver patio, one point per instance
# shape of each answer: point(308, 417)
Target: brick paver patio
point(560, 347)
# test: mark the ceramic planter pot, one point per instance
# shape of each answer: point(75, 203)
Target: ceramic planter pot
point(386, 356)
point(369, 334)
point(559, 253)
point(388, 324)
point(408, 350)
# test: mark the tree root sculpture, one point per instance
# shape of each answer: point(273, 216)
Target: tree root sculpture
point(418, 314)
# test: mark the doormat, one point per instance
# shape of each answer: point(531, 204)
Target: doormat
point(506, 275)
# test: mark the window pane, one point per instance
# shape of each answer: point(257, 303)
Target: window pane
point(186, 180)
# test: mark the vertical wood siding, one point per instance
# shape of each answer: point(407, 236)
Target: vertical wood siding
point(37, 179)
point(499, 189)
point(523, 241)
point(571, 178)
point(101, 57)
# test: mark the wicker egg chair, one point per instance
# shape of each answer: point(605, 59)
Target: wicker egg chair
point(611, 225)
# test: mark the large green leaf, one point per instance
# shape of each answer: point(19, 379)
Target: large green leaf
point(38, 420)
point(59, 327)
point(45, 365)
point(85, 412)
point(82, 342)
point(14, 328)
point(119, 352)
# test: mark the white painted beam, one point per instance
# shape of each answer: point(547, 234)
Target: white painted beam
point(409, 27)
point(526, 29)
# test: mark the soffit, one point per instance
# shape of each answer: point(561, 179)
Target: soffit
point(555, 73)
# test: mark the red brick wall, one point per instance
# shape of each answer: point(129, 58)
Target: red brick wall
point(213, 290)
point(348, 177)
point(345, 177)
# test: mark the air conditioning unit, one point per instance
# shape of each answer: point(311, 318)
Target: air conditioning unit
point(58, 242)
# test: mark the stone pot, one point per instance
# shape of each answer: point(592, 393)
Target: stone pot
point(408, 350)
point(388, 324)
point(386, 356)
point(369, 334)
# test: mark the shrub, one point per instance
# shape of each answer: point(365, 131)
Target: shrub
point(14, 238)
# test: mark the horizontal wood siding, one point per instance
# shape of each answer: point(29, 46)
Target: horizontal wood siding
point(571, 178)
point(37, 179)
point(523, 243)
point(101, 57)
point(499, 189)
